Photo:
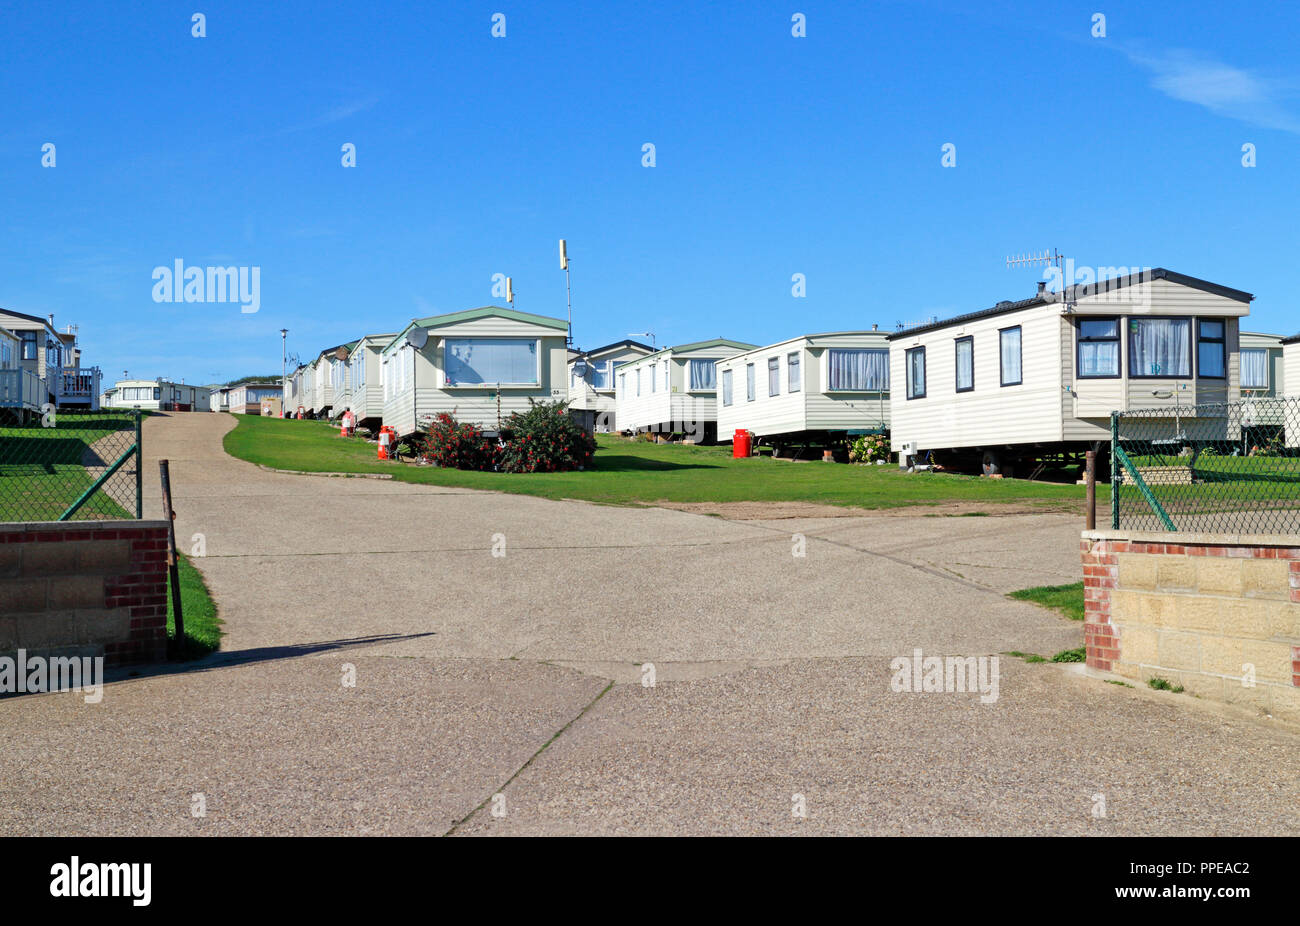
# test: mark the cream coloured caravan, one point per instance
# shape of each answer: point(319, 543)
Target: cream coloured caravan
point(1041, 376)
point(479, 365)
point(835, 383)
point(674, 390)
point(592, 375)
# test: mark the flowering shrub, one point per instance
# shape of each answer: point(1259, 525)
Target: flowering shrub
point(868, 448)
point(457, 445)
point(544, 439)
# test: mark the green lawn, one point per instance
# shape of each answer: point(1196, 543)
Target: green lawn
point(43, 470)
point(1068, 599)
point(202, 626)
point(641, 473)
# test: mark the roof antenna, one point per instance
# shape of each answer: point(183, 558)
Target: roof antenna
point(568, 292)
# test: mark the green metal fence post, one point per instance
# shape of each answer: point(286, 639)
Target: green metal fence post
point(1114, 471)
point(139, 468)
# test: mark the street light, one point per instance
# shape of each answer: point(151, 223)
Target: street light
point(284, 370)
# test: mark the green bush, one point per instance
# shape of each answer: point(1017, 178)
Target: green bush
point(544, 439)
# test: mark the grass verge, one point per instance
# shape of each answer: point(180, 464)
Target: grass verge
point(1067, 599)
point(628, 472)
point(202, 625)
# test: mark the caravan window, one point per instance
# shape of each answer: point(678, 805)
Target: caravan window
point(470, 361)
point(702, 375)
point(1254, 368)
point(915, 362)
point(1098, 355)
point(667, 372)
point(1211, 358)
point(749, 382)
point(726, 387)
point(1160, 347)
point(965, 364)
point(654, 371)
point(858, 370)
point(1009, 344)
point(774, 376)
point(794, 383)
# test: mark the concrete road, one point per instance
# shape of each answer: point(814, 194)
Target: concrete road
point(521, 674)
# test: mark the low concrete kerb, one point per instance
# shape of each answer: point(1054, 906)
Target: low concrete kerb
point(16, 527)
point(300, 472)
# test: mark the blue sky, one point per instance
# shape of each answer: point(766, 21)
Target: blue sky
point(775, 155)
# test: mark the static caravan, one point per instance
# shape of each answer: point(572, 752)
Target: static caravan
point(291, 396)
point(160, 395)
point(591, 382)
point(54, 359)
point(1039, 377)
point(479, 365)
point(674, 390)
point(246, 398)
point(812, 387)
point(20, 389)
point(366, 395)
point(1291, 365)
point(322, 378)
point(340, 371)
point(219, 398)
point(1263, 378)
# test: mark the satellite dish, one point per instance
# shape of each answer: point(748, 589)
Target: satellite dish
point(580, 369)
point(417, 337)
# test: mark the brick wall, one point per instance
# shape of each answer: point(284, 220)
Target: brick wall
point(85, 589)
point(1199, 610)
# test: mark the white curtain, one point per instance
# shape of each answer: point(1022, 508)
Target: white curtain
point(916, 372)
point(491, 360)
point(965, 364)
point(858, 370)
point(703, 375)
point(726, 387)
point(1010, 340)
point(1098, 357)
point(1254, 368)
point(1160, 347)
point(792, 365)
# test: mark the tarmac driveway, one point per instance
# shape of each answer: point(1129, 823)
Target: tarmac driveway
point(499, 644)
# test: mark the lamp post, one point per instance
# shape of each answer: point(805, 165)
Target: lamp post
point(284, 370)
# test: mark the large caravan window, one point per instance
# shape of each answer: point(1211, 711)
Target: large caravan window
point(29, 344)
point(858, 370)
point(1254, 368)
point(794, 383)
point(965, 364)
point(470, 361)
point(1160, 347)
point(749, 382)
point(1098, 348)
point(1211, 357)
point(703, 375)
point(916, 373)
point(726, 387)
point(1009, 343)
point(774, 376)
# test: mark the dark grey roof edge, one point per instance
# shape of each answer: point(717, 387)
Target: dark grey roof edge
point(626, 342)
point(1294, 339)
point(1080, 291)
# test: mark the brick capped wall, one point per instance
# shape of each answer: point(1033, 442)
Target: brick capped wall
point(1217, 614)
point(85, 589)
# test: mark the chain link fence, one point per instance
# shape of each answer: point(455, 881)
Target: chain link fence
point(1221, 468)
point(59, 465)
